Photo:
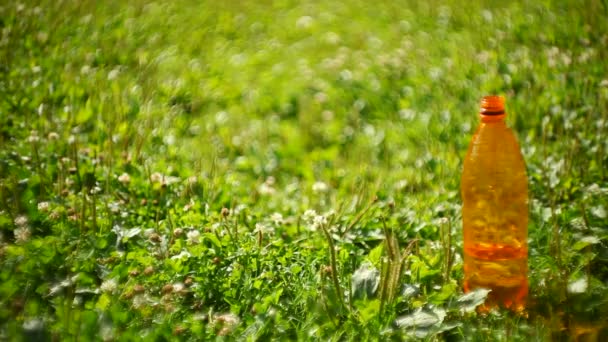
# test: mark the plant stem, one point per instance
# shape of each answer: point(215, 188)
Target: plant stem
point(333, 262)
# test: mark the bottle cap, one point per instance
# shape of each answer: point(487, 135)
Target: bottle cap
point(492, 105)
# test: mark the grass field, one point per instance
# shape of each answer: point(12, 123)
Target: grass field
point(287, 170)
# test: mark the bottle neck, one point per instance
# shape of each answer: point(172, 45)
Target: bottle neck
point(492, 118)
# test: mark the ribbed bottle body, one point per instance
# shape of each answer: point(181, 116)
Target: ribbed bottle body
point(494, 189)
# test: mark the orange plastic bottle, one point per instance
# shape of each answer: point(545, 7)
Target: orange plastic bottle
point(494, 190)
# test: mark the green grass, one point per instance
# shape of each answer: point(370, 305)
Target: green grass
point(254, 169)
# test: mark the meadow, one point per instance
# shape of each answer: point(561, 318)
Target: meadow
point(290, 170)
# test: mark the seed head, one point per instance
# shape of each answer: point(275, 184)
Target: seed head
point(124, 178)
point(167, 288)
point(225, 212)
point(154, 237)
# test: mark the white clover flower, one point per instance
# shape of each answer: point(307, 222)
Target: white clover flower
point(277, 218)
point(578, 223)
point(595, 189)
point(329, 213)
point(321, 97)
point(263, 228)
point(319, 221)
point(124, 178)
point(238, 209)
point(401, 184)
point(266, 189)
point(487, 15)
point(113, 74)
point(327, 115)
point(182, 255)
point(21, 221)
point(228, 321)
point(193, 237)
point(139, 301)
point(309, 215)
point(148, 232)
point(22, 234)
point(483, 57)
point(346, 75)
point(178, 287)
point(332, 38)
point(53, 136)
point(320, 187)
point(304, 22)
point(43, 206)
point(109, 285)
point(189, 205)
point(407, 114)
point(156, 177)
point(171, 180)
point(106, 332)
point(114, 207)
point(435, 73)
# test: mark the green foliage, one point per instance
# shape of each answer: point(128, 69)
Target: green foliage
point(290, 170)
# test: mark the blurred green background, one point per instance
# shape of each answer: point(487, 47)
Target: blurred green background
point(126, 128)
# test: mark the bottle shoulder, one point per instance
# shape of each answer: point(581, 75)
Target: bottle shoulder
point(494, 139)
point(493, 152)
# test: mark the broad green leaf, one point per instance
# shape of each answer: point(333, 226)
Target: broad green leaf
point(410, 290)
point(103, 302)
point(469, 301)
point(375, 255)
point(369, 310)
point(578, 286)
point(423, 317)
point(365, 281)
point(585, 241)
point(599, 211)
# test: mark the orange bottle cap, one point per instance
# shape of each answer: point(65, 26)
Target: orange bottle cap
point(492, 105)
point(492, 108)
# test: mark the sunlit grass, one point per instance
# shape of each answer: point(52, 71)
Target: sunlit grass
point(290, 170)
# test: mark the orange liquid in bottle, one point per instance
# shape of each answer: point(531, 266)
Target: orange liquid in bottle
point(494, 190)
